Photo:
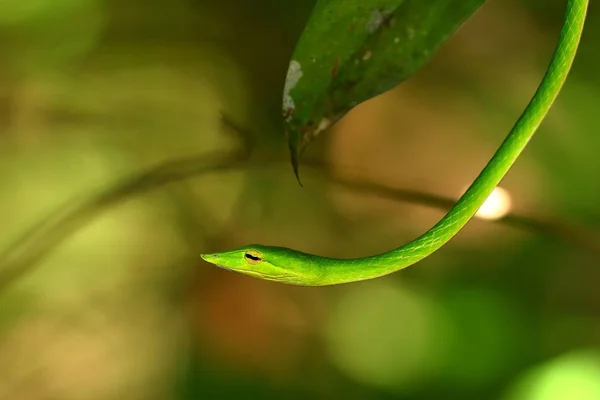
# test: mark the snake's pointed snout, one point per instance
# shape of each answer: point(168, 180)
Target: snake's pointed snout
point(211, 258)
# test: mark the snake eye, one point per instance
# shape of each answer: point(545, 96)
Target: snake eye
point(253, 257)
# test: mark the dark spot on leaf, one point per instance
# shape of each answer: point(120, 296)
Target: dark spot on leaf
point(288, 112)
point(335, 68)
point(390, 22)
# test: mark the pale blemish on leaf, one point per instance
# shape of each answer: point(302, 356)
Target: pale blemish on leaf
point(322, 126)
point(294, 74)
point(377, 18)
point(324, 123)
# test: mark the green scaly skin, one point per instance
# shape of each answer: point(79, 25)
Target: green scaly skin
point(293, 267)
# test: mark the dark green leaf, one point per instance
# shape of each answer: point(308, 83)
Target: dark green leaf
point(353, 50)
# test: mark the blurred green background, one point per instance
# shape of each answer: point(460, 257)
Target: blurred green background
point(92, 91)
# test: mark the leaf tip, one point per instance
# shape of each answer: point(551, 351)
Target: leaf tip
point(296, 166)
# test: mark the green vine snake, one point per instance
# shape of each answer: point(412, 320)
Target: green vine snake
point(294, 267)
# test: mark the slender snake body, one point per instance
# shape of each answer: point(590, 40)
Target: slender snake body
point(294, 267)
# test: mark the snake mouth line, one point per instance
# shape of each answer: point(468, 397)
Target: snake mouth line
point(255, 274)
point(225, 268)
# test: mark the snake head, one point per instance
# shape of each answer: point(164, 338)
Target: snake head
point(265, 262)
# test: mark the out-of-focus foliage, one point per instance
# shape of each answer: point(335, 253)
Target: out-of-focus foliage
point(93, 91)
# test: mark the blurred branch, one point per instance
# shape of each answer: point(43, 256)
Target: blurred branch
point(192, 217)
point(563, 230)
point(30, 249)
point(32, 246)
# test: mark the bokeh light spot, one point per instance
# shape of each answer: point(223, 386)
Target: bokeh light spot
point(384, 335)
point(573, 376)
point(496, 206)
